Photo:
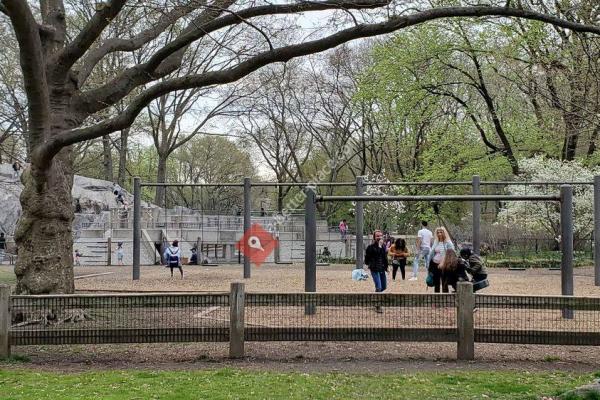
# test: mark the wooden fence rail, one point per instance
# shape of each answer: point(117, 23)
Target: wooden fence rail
point(237, 317)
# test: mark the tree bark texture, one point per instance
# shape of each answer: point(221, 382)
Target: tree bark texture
point(43, 236)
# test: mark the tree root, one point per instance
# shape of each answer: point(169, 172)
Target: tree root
point(49, 317)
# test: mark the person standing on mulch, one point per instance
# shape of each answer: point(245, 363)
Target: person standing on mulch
point(377, 262)
point(423, 247)
point(398, 253)
point(441, 244)
point(120, 254)
point(173, 257)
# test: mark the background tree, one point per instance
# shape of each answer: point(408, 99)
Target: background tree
point(58, 53)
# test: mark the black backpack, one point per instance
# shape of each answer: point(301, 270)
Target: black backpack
point(173, 259)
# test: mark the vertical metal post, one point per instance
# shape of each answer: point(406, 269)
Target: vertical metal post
point(310, 246)
point(597, 230)
point(247, 222)
point(109, 251)
point(4, 321)
point(359, 216)
point(476, 216)
point(236, 320)
point(566, 227)
point(465, 302)
point(137, 216)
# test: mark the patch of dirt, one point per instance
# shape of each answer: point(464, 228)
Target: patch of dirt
point(351, 357)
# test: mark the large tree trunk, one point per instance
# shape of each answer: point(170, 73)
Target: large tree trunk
point(123, 156)
point(43, 235)
point(161, 176)
point(107, 158)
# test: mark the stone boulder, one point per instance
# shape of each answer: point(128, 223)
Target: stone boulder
point(95, 195)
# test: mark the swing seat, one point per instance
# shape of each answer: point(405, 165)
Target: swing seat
point(517, 268)
point(480, 285)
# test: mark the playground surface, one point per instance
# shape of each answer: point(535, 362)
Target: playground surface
point(331, 278)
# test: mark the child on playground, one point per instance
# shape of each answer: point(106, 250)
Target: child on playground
point(77, 257)
point(120, 254)
point(398, 253)
point(173, 257)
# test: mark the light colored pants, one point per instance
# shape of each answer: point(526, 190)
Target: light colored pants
point(424, 254)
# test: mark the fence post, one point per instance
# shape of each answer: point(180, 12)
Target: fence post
point(277, 251)
point(137, 216)
point(359, 219)
point(465, 302)
point(4, 321)
point(109, 251)
point(236, 320)
point(566, 227)
point(597, 230)
point(247, 222)
point(310, 246)
point(476, 216)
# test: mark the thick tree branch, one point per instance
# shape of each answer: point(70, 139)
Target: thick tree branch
point(284, 54)
point(122, 85)
point(136, 42)
point(32, 66)
point(88, 35)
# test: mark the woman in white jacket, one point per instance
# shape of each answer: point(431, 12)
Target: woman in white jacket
point(441, 244)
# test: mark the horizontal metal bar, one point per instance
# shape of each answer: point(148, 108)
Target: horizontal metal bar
point(154, 184)
point(534, 183)
point(438, 183)
point(253, 184)
point(467, 197)
point(488, 183)
point(303, 184)
point(351, 184)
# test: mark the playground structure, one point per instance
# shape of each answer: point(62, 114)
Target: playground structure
point(312, 239)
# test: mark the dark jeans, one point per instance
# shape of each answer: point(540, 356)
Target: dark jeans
point(437, 277)
point(380, 281)
point(399, 263)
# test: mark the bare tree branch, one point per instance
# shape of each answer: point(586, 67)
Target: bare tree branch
point(283, 54)
point(119, 44)
point(114, 90)
point(88, 35)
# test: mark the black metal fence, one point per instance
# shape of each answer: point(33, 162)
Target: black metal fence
point(236, 317)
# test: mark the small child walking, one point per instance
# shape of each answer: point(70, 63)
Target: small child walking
point(120, 254)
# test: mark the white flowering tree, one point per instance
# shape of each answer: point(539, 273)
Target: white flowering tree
point(380, 215)
point(545, 216)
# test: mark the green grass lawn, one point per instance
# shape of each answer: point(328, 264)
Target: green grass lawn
point(7, 278)
point(236, 384)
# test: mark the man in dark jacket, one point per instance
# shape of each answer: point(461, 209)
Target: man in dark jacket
point(476, 267)
point(376, 261)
